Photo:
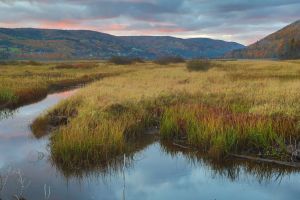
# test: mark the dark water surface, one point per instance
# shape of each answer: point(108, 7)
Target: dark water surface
point(155, 171)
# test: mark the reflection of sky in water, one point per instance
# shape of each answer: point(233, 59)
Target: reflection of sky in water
point(160, 176)
point(18, 124)
point(155, 175)
point(15, 136)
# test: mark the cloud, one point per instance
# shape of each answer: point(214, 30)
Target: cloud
point(237, 20)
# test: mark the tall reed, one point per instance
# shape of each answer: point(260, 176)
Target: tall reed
point(220, 131)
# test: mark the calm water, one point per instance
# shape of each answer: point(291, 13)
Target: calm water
point(155, 171)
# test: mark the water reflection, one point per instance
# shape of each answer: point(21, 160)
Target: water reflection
point(155, 171)
point(231, 169)
point(105, 168)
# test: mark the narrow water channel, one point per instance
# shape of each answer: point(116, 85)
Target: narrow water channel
point(156, 171)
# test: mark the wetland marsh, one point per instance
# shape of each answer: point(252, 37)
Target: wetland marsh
point(153, 131)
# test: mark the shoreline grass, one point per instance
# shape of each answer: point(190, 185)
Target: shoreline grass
point(28, 82)
point(219, 131)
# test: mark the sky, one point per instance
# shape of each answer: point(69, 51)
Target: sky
point(243, 21)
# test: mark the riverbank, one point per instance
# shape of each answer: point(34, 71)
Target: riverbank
point(28, 82)
point(234, 107)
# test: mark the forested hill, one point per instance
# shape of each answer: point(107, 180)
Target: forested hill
point(283, 44)
point(28, 43)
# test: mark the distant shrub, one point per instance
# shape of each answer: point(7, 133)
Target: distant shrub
point(31, 62)
point(226, 59)
point(75, 66)
point(168, 60)
point(120, 60)
point(14, 62)
point(199, 65)
point(8, 62)
point(64, 66)
point(137, 60)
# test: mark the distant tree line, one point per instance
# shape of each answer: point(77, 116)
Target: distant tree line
point(4, 54)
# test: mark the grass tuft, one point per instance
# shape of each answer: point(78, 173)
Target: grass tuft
point(169, 60)
point(199, 65)
point(119, 60)
point(7, 95)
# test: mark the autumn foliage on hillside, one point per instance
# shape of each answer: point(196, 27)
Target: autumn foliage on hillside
point(283, 44)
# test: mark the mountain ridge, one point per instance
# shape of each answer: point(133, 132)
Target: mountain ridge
point(31, 43)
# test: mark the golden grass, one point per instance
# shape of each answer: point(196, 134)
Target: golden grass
point(25, 82)
point(142, 96)
point(264, 96)
point(220, 131)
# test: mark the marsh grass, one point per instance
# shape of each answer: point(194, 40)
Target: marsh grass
point(206, 110)
point(110, 130)
point(253, 76)
point(220, 131)
point(87, 65)
point(40, 127)
point(6, 95)
point(54, 118)
point(25, 82)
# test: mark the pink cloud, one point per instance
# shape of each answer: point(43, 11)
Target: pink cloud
point(114, 27)
point(63, 24)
